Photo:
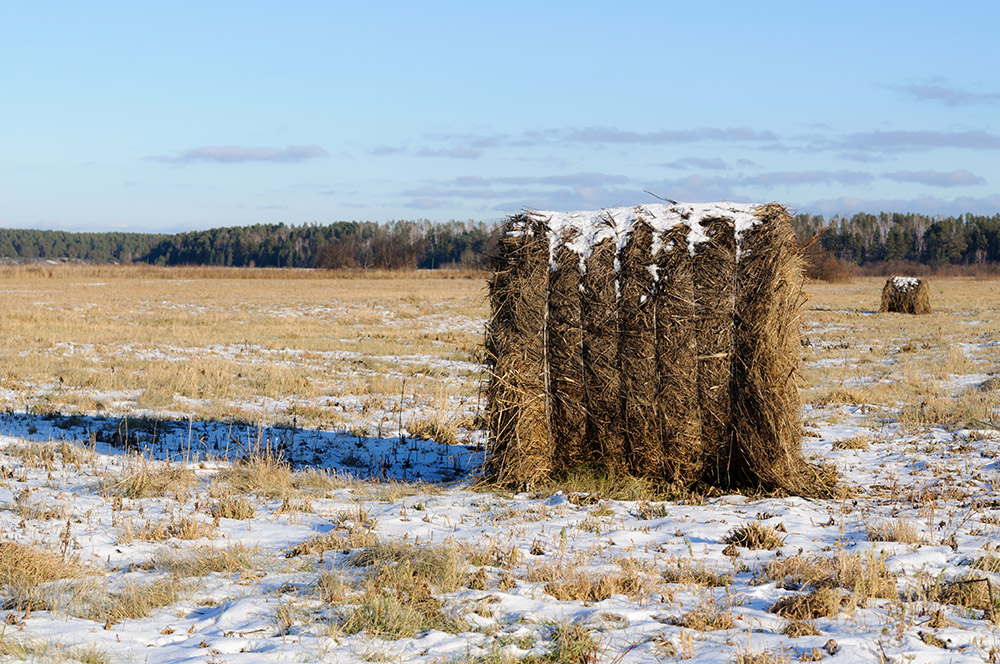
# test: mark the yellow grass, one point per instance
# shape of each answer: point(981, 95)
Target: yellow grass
point(337, 347)
point(116, 339)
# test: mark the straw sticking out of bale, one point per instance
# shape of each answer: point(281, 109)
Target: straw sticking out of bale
point(676, 360)
point(714, 276)
point(517, 391)
point(766, 422)
point(906, 295)
point(637, 352)
point(599, 312)
point(657, 340)
point(565, 356)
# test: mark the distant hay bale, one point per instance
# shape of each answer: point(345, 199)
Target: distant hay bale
point(906, 295)
point(658, 341)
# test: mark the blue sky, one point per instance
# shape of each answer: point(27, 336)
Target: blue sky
point(167, 116)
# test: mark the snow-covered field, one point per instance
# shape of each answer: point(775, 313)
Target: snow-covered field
point(132, 537)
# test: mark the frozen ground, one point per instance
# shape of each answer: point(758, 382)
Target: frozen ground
point(939, 483)
point(234, 560)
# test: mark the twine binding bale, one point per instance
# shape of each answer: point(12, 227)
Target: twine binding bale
point(906, 295)
point(656, 340)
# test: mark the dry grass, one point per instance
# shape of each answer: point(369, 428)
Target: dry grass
point(25, 650)
point(568, 582)
point(184, 528)
point(134, 600)
point(694, 574)
point(144, 478)
point(754, 535)
point(208, 559)
point(856, 443)
point(172, 335)
point(232, 506)
point(23, 566)
point(865, 575)
point(707, 617)
point(397, 599)
point(407, 567)
point(337, 540)
point(970, 590)
point(893, 530)
point(819, 603)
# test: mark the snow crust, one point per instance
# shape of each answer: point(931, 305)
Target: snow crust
point(581, 231)
point(905, 283)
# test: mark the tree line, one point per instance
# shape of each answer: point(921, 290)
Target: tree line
point(864, 238)
point(859, 239)
point(341, 245)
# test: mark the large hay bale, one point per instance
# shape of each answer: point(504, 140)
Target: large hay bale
point(662, 342)
point(906, 295)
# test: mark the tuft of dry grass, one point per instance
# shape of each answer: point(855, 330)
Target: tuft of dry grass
point(893, 530)
point(970, 590)
point(207, 559)
point(397, 601)
point(694, 574)
point(144, 478)
point(23, 566)
point(568, 582)
point(864, 575)
point(987, 563)
point(407, 566)
point(336, 540)
point(232, 506)
point(438, 430)
point(135, 600)
point(856, 443)
point(184, 528)
point(25, 650)
point(820, 603)
point(754, 535)
point(797, 628)
point(708, 617)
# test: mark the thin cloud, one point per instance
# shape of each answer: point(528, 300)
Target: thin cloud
point(944, 94)
point(612, 135)
point(425, 203)
point(572, 179)
point(715, 164)
point(902, 141)
point(936, 178)
point(234, 154)
point(785, 178)
point(453, 153)
point(925, 205)
point(386, 151)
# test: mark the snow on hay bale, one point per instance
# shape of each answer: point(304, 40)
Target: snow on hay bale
point(659, 340)
point(906, 295)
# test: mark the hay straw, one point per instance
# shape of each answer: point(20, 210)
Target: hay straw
point(637, 353)
point(565, 357)
point(679, 366)
point(600, 358)
point(766, 421)
point(677, 409)
point(714, 281)
point(520, 452)
point(906, 295)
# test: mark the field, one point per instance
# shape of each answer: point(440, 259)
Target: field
point(262, 466)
